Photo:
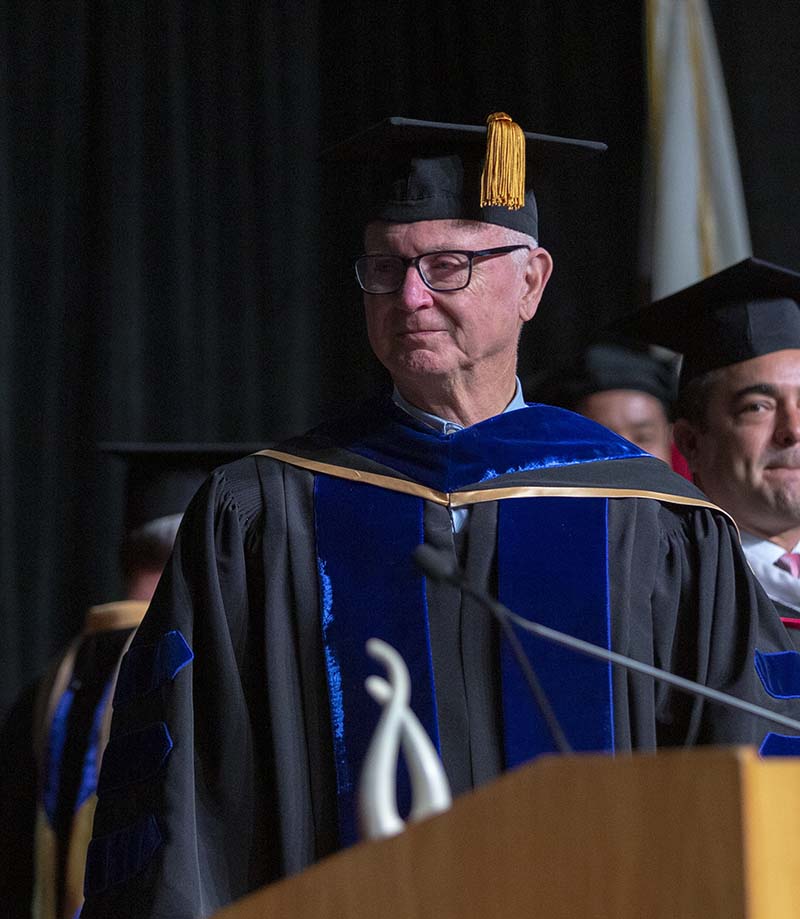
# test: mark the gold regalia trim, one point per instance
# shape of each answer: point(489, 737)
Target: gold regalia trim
point(123, 614)
point(467, 498)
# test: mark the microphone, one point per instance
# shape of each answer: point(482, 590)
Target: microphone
point(439, 566)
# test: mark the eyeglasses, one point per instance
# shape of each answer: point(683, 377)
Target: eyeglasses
point(440, 271)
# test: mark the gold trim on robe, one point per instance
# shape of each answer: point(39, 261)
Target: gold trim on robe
point(458, 499)
point(124, 614)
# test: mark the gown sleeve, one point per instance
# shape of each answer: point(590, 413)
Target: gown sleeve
point(713, 623)
point(190, 812)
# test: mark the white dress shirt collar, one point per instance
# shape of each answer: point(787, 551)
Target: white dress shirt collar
point(442, 425)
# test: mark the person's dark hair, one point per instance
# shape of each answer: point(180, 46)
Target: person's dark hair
point(693, 398)
point(149, 546)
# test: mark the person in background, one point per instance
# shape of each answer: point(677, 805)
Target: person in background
point(53, 738)
point(628, 390)
point(738, 410)
point(240, 716)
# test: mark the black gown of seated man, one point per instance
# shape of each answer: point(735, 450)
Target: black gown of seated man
point(240, 703)
point(53, 739)
point(51, 744)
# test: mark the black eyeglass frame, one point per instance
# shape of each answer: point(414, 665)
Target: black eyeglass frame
point(415, 260)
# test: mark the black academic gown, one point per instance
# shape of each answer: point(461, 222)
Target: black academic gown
point(51, 747)
point(242, 789)
point(789, 618)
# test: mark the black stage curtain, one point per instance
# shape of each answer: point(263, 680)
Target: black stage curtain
point(759, 45)
point(175, 260)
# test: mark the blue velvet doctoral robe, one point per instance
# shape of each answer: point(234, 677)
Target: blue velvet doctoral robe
point(231, 757)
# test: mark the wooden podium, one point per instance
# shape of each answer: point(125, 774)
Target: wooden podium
point(700, 834)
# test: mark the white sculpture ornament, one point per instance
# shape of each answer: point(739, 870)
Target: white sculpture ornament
point(398, 728)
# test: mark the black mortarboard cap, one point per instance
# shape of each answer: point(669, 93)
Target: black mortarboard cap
point(429, 170)
point(604, 366)
point(163, 477)
point(742, 312)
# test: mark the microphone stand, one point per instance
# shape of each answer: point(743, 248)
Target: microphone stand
point(556, 731)
point(439, 566)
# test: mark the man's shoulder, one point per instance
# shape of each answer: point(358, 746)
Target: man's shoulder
point(572, 451)
point(240, 487)
point(643, 473)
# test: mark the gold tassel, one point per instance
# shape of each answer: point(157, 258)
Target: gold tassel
point(503, 178)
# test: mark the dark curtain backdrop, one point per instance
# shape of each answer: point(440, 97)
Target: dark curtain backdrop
point(760, 49)
point(175, 260)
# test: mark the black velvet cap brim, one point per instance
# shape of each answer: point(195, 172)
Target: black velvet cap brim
point(427, 170)
point(742, 312)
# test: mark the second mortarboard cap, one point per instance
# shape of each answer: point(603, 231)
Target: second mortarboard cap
point(430, 170)
point(742, 312)
point(604, 366)
point(162, 478)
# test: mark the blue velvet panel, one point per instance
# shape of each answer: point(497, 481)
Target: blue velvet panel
point(135, 757)
point(553, 569)
point(116, 858)
point(369, 587)
point(779, 672)
point(536, 437)
point(780, 745)
point(88, 784)
point(146, 667)
point(55, 750)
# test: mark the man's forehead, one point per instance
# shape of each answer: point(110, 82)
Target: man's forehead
point(778, 368)
point(634, 404)
point(436, 233)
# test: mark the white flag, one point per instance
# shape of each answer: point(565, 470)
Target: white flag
point(698, 221)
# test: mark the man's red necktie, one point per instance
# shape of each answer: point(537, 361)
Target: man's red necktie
point(790, 562)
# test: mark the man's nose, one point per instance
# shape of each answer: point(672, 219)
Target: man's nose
point(787, 425)
point(414, 294)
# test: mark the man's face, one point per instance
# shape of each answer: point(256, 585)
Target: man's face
point(417, 332)
point(637, 416)
point(747, 457)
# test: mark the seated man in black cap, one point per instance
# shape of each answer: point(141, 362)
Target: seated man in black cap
point(626, 389)
point(738, 415)
point(240, 717)
point(54, 737)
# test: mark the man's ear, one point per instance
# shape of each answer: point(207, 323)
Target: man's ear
point(686, 436)
point(538, 269)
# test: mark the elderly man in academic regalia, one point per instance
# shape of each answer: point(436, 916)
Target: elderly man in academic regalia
point(240, 719)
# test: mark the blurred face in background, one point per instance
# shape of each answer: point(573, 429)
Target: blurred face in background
point(637, 416)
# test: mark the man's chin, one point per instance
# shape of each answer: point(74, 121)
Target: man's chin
point(788, 507)
point(780, 509)
point(419, 364)
point(784, 483)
